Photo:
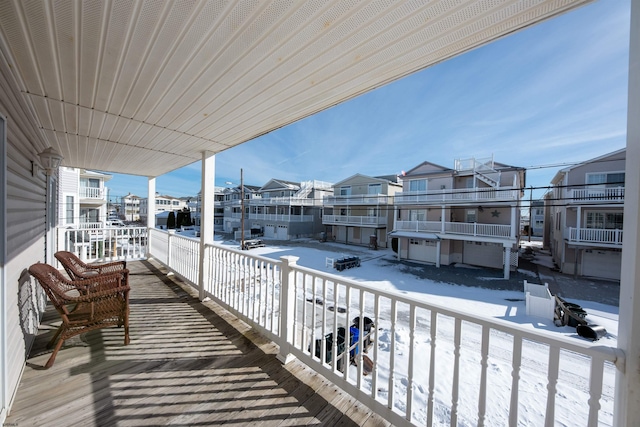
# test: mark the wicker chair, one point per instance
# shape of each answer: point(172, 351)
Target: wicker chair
point(76, 269)
point(84, 305)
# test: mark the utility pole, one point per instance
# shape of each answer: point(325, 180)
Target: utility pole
point(530, 212)
point(242, 210)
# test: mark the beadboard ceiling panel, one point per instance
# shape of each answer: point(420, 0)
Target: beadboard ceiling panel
point(144, 87)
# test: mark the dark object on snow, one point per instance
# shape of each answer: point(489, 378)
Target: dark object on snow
point(592, 332)
point(367, 325)
point(329, 347)
point(569, 314)
point(347, 262)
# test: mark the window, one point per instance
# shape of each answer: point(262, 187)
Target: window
point(418, 185)
point(418, 215)
point(608, 179)
point(471, 215)
point(375, 189)
point(345, 191)
point(372, 212)
point(605, 220)
point(69, 214)
point(90, 182)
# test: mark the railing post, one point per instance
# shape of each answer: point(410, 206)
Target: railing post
point(170, 234)
point(287, 307)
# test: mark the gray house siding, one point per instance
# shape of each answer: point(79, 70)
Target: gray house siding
point(25, 216)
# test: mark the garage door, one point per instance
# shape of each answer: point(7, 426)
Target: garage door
point(282, 232)
point(423, 250)
point(601, 263)
point(483, 254)
point(269, 231)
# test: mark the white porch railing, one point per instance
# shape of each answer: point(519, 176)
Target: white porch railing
point(281, 218)
point(458, 195)
point(414, 382)
point(358, 199)
point(354, 220)
point(93, 193)
point(465, 228)
point(594, 236)
point(104, 244)
point(589, 195)
point(284, 201)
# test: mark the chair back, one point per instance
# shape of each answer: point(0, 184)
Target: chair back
point(73, 265)
point(55, 285)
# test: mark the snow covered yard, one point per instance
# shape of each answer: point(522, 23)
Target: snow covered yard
point(412, 388)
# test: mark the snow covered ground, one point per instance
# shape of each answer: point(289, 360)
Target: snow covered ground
point(573, 384)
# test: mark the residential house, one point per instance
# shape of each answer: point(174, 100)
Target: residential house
point(233, 205)
point(586, 213)
point(469, 214)
point(82, 198)
point(130, 207)
point(537, 218)
point(164, 203)
point(360, 211)
point(287, 210)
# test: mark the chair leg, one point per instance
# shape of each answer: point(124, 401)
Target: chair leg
point(55, 337)
point(53, 356)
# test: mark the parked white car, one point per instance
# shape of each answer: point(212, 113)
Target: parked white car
point(115, 223)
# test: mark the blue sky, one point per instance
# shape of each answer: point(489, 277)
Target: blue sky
point(552, 94)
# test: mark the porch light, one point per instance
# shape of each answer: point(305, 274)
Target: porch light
point(50, 160)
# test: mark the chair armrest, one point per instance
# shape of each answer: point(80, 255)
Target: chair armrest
point(97, 286)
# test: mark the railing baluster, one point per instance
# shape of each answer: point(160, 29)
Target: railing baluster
point(595, 389)
point(374, 339)
point(433, 327)
point(392, 353)
point(554, 366)
point(457, 332)
point(484, 351)
point(516, 362)
point(412, 342)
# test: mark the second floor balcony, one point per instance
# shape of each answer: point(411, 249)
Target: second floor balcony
point(594, 236)
point(457, 196)
point(459, 228)
point(592, 195)
point(371, 221)
point(93, 193)
point(358, 200)
point(281, 217)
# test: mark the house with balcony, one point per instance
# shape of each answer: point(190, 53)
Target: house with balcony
point(285, 210)
point(82, 198)
point(360, 211)
point(130, 207)
point(586, 212)
point(164, 203)
point(469, 214)
point(124, 87)
point(232, 205)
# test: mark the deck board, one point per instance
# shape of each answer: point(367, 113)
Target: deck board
point(188, 363)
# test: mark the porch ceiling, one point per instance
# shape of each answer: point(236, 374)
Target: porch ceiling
point(144, 87)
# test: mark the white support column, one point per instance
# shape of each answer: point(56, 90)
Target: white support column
point(507, 261)
point(515, 226)
point(287, 307)
point(151, 210)
point(206, 216)
point(627, 395)
point(438, 245)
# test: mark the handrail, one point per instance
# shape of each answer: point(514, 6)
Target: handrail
point(296, 305)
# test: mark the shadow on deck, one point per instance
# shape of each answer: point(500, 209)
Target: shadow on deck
point(189, 363)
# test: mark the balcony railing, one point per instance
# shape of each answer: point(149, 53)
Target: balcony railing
point(358, 199)
point(284, 201)
point(295, 306)
point(465, 228)
point(605, 237)
point(104, 244)
point(93, 193)
point(459, 195)
point(590, 195)
point(281, 217)
point(354, 220)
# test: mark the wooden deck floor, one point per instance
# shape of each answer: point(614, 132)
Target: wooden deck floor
point(189, 363)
